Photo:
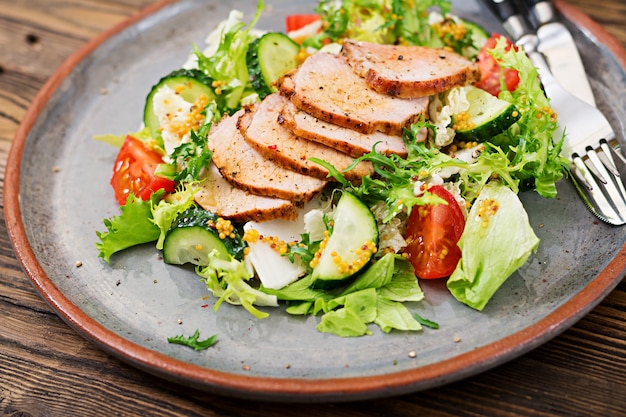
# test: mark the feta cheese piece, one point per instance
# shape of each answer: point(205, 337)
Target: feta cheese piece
point(274, 270)
point(172, 111)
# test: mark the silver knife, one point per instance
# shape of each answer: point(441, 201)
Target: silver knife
point(557, 45)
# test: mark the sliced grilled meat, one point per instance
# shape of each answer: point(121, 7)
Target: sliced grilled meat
point(270, 137)
point(222, 198)
point(244, 167)
point(409, 71)
point(326, 87)
point(343, 139)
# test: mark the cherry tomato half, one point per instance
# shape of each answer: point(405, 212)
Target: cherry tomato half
point(133, 171)
point(298, 21)
point(490, 69)
point(432, 234)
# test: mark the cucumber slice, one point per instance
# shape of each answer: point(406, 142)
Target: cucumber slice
point(268, 58)
point(345, 254)
point(193, 236)
point(191, 84)
point(479, 37)
point(487, 116)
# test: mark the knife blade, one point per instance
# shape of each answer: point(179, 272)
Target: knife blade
point(558, 47)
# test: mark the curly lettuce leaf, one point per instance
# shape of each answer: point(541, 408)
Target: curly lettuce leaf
point(227, 64)
point(535, 155)
point(227, 280)
point(190, 159)
point(378, 21)
point(134, 226)
point(167, 209)
point(193, 342)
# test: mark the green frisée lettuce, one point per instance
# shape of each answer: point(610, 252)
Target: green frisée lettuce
point(532, 152)
point(227, 280)
point(227, 64)
point(378, 21)
point(497, 240)
point(193, 341)
point(165, 212)
point(189, 159)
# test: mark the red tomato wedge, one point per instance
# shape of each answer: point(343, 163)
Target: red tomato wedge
point(298, 21)
point(133, 171)
point(432, 234)
point(491, 70)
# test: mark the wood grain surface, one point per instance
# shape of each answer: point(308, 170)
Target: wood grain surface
point(46, 369)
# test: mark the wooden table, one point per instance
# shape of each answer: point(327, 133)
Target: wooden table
point(46, 369)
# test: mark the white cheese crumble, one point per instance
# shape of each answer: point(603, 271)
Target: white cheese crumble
point(441, 109)
point(172, 110)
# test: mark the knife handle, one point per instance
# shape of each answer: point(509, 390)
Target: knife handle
point(503, 9)
point(541, 11)
point(511, 17)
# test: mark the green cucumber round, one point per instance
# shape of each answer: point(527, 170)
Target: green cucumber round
point(479, 37)
point(354, 227)
point(193, 236)
point(488, 116)
point(269, 58)
point(194, 82)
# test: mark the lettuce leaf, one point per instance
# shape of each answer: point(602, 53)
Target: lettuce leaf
point(536, 155)
point(166, 211)
point(118, 140)
point(227, 65)
point(496, 241)
point(227, 280)
point(134, 226)
point(392, 315)
point(373, 297)
point(378, 21)
point(193, 342)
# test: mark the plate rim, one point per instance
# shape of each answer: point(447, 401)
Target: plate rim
point(286, 389)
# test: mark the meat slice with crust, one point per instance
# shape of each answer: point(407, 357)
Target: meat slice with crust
point(244, 167)
point(408, 71)
point(326, 87)
point(270, 137)
point(343, 139)
point(217, 195)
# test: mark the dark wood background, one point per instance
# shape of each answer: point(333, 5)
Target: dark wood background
point(46, 369)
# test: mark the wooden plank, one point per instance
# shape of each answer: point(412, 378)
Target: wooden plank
point(47, 369)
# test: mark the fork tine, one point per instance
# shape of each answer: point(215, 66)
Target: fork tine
point(593, 163)
point(612, 184)
point(611, 210)
point(616, 150)
point(607, 159)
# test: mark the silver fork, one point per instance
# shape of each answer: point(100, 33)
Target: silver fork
point(590, 141)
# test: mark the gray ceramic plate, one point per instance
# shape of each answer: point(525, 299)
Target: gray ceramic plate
point(57, 194)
